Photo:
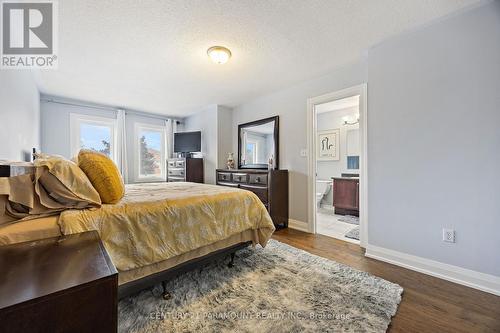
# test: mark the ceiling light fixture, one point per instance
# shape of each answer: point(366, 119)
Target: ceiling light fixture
point(219, 54)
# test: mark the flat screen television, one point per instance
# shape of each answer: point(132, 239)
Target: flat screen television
point(187, 142)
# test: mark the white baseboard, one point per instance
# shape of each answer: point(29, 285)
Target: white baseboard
point(484, 282)
point(298, 225)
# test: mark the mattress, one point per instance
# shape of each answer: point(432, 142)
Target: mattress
point(30, 230)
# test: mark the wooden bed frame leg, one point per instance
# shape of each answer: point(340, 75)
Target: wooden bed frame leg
point(166, 295)
point(231, 263)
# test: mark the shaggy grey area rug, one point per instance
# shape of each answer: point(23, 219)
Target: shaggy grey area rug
point(353, 233)
point(276, 289)
point(349, 219)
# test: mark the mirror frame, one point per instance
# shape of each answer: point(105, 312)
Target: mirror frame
point(276, 143)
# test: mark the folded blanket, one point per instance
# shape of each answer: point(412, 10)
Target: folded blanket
point(56, 185)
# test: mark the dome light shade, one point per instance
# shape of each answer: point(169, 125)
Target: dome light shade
point(219, 54)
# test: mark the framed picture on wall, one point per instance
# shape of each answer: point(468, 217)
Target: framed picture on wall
point(328, 145)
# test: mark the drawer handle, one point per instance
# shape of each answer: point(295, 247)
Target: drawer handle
point(257, 180)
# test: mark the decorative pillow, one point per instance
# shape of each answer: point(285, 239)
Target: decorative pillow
point(60, 184)
point(103, 174)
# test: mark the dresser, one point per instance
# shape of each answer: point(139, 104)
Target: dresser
point(61, 284)
point(271, 186)
point(185, 170)
point(346, 196)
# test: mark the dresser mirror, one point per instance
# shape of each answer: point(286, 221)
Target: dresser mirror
point(258, 144)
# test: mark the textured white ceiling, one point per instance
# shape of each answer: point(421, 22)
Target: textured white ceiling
point(151, 55)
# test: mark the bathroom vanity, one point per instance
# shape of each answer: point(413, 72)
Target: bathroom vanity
point(346, 195)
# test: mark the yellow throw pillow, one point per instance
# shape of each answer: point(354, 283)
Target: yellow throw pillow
point(103, 174)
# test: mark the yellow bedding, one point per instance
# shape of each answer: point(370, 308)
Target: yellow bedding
point(29, 230)
point(157, 221)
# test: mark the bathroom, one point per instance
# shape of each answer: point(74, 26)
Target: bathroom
point(337, 169)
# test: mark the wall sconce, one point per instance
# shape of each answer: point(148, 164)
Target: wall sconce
point(347, 122)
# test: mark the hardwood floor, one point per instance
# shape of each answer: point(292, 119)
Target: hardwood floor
point(429, 304)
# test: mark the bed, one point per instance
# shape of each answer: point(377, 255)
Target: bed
point(159, 230)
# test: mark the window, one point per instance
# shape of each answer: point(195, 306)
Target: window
point(94, 133)
point(353, 162)
point(251, 153)
point(150, 150)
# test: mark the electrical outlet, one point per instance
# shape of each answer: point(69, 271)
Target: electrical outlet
point(448, 235)
point(303, 152)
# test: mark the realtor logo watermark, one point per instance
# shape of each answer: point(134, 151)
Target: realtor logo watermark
point(29, 34)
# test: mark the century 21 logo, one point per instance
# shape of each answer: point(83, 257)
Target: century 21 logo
point(27, 28)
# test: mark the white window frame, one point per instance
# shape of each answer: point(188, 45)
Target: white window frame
point(137, 164)
point(77, 119)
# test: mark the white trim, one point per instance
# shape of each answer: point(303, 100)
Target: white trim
point(477, 280)
point(298, 225)
point(362, 91)
point(76, 119)
point(137, 160)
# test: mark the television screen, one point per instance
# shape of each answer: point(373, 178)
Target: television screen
point(187, 142)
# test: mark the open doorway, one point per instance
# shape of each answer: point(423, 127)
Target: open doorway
point(337, 165)
point(337, 168)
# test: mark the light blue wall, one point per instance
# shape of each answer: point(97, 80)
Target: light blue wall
point(19, 115)
point(434, 138)
point(206, 121)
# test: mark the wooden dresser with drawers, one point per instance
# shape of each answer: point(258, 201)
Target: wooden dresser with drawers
point(271, 186)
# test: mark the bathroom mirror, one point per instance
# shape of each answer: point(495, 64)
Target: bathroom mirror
point(258, 142)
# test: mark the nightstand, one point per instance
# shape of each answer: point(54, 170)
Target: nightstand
point(61, 284)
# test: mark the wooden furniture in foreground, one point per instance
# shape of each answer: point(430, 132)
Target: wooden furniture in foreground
point(429, 304)
point(346, 196)
point(61, 284)
point(185, 170)
point(271, 186)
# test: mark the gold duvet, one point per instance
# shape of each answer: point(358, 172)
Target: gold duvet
point(157, 221)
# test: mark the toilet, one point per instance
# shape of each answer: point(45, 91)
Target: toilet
point(323, 186)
